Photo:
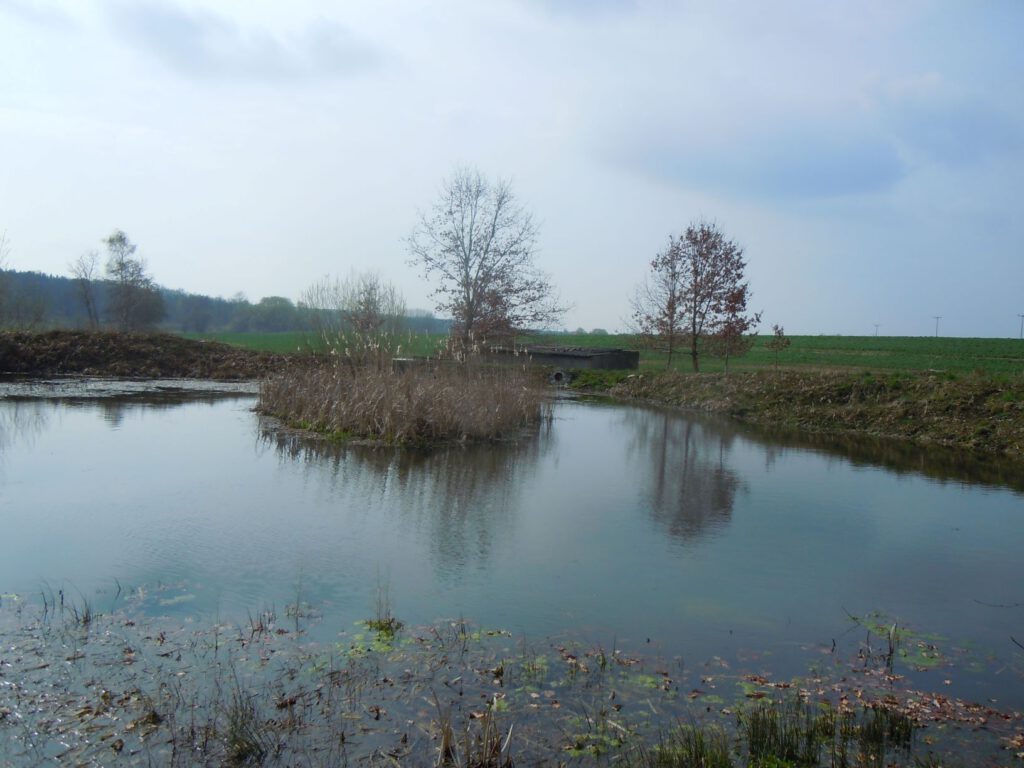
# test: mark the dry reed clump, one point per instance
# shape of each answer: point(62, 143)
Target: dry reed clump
point(427, 404)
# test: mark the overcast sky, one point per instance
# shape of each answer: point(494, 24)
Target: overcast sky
point(868, 156)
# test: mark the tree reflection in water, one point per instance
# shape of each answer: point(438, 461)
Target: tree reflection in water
point(463, 498)
point(691, 487)
point(21, 421)
point(940, 463)
point(114, 409)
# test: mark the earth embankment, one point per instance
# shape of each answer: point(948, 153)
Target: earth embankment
point(142, 355)
point(980, 413)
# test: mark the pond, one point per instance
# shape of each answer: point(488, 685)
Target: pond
point(622, 526)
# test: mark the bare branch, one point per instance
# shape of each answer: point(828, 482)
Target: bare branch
point(85, 270)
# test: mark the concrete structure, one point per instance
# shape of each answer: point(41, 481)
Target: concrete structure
point(562, 360)
point(570, 357)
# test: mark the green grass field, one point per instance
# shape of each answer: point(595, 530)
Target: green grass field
point(870, 353)
point(298, 341)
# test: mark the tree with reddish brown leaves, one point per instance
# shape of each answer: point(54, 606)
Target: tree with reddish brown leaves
point(695, 291)
point(733, 337)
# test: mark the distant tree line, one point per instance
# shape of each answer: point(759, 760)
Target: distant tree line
point(32, 300)
point(476, 243)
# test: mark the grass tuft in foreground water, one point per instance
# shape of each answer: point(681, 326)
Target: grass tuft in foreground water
point(247, 740)
point(688, 746)
point(384, 623)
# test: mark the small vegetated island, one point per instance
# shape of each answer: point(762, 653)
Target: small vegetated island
point(364, 392)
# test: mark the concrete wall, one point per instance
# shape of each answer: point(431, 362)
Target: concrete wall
point(603, 359)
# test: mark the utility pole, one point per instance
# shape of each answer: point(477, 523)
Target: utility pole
point(1021, 324)
point(937, 318)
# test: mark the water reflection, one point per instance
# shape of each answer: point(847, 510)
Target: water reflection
point(461, 499)
point(900, 456)
point(113, 410)
point(692, 488)
point(21, 422)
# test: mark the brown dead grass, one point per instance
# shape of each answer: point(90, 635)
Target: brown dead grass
point(974, 412)
point(427, 404)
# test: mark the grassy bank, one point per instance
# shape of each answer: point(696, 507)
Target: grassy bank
point(976, 412)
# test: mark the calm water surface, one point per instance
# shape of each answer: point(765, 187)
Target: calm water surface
point(626, 526)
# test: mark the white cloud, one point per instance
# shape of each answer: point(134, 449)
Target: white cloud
point(203, 44)
point(38, 13)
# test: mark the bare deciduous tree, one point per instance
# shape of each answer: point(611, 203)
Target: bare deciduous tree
point(777, 342)
point(480, 245)
point(658, 303)
point(362, 302)
point(358, 317)
point(134, 301)
point(695, 285)
point(85, 270)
